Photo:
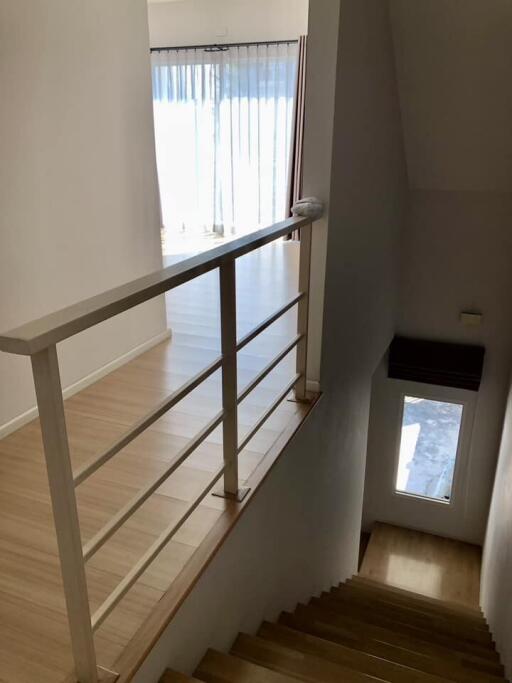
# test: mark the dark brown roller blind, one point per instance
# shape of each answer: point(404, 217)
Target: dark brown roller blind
point(431, 362)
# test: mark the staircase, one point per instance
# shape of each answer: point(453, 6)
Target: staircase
point(360, 631)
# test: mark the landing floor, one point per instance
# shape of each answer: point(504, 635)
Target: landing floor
point(34, 643)
point(438, 567)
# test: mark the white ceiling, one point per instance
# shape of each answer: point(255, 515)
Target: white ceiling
point(454, 69)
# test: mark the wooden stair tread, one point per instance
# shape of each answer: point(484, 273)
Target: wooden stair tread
point(294, 663)
point(471, 633)
point(441, 610)
point(451, 668)
point(357, 660)
point(373, 616)
point(426, 599)
point(360, 632)
point(170, 676)
point(398, 638)
point(216, 667)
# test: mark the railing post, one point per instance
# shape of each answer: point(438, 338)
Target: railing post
point(303, 311)
point(45, 367)
point(227, 274)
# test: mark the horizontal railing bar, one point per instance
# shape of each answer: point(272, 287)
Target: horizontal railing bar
point(89, 468)
point(134, 504)
point(102, 613)
point(268, 321)
point(39, 334)
point(269, 412)
point(268, 369)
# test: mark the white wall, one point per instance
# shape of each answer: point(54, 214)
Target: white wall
point(203, 22)
point(317, 158)
point(453, 66)
point(77, 176)
point(456, 257)
point(497, 565)
point(302, 529)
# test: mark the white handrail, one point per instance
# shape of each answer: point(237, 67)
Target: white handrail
point(38, 340)
point(54, 328)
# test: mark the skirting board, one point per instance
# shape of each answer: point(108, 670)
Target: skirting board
point(313, 385)
point(86, 381)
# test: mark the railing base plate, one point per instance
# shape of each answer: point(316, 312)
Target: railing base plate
point(106, 676)
point(308, 400)
point(237, 497)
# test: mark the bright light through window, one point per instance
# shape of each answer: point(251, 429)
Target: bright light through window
point(428, 447)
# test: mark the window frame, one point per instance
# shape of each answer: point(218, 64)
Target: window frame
point(462, 397)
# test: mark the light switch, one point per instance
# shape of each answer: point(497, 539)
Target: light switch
point(471, 319)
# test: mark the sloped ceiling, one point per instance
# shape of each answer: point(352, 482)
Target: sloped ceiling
point(454, 70)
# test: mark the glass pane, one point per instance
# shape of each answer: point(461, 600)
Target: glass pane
point(428, 447)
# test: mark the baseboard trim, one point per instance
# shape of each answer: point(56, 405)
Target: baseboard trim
point(86, 381)
point(313, 385)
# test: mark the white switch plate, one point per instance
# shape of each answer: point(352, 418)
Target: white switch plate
point(471, 319)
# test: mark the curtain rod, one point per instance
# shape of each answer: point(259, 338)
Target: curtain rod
point(223, 46)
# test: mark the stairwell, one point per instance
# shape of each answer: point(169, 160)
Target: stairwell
point(361, 631)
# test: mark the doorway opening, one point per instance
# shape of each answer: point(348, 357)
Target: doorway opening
point(429, 446)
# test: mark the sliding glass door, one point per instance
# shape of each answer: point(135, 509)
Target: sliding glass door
point(224, 120)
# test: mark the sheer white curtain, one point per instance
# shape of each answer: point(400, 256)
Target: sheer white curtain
point(223, 126)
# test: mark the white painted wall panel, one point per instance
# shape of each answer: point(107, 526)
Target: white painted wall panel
point(497, 564)
point(203, 22)
point(77, 179)
point(454, 60)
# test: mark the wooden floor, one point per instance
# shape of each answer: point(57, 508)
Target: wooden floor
point(34, 645)
point(438, 567)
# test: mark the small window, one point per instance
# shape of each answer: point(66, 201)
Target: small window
point(429, 443)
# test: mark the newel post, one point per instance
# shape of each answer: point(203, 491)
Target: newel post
point(227, 273)
point(303, 311)
point(45, 368)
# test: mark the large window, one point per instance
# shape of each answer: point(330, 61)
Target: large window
point(223, 125)
point(429, 443)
